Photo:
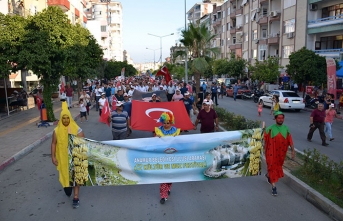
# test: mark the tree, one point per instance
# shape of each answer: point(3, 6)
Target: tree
point(197, 39)
point(47, 35)
point(236, 66)
point(113, 69)
point(305, 66)
point(11, 36)
point(266, 70)
point(220, 67)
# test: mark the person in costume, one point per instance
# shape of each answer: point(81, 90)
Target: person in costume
point(167, 119)
point(277, 138)
point(59, 150)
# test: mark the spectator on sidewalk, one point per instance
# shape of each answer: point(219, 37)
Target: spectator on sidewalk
point(69, 94)
point(59, 151)
point(317, 119)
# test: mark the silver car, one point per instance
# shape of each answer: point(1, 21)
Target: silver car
point(287, 100)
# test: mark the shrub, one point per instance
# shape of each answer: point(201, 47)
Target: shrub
point(231, 121)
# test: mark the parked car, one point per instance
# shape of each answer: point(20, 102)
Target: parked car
point(227, 81)
point(287, 100)
point(241, 89)
point(202, 81)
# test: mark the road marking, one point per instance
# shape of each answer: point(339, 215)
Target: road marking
point(23, 124)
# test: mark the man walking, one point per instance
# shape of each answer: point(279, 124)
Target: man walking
point(235, 91)
point(317, 120)
point(120, 122)
point(214, 90)
point(277, 139)
point(208, 118)
point(69, 94)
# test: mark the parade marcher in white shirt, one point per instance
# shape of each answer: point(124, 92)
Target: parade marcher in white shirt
point(170, 91)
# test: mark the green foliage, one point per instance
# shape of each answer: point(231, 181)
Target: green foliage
point(267, 70)
point(305, 66)
point(236, 66)
point(177, 71)
point(232, 121)
point(220, 67)
point(113, 69)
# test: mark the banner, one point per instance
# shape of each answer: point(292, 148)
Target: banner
point(146, 96)
point(331, 76)
point(183, 158)
point(145, 115)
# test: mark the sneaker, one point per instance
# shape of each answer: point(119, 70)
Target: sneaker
point(76, 203)
point(325, 144)
point(68, 191)
point(274, 192)
point(268, 180)
point(309, 140)
point(163, 200)
point(168, 192)
point(331, 139)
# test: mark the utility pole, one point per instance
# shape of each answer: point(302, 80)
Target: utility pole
point(186, 50)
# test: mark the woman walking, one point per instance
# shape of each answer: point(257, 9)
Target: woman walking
point(330, 115)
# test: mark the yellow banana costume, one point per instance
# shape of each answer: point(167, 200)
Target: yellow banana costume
point(61, 133)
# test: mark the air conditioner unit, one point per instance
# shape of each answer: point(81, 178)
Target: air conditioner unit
point(258, 10)
point(290, 35)
point(238, 27)
point(313, 7)
point(273, 13)
point(256, 41)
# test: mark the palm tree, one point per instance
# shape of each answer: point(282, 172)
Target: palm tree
point(197, 39)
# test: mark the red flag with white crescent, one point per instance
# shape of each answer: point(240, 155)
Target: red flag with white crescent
point(114, 101)
point(145, 115)
point(105, 114)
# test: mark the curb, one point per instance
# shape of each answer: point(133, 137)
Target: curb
point(311, 195)
point(29, 148)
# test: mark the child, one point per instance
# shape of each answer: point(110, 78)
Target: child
point(83, 110)
point(259, 108)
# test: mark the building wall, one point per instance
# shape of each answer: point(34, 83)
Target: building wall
point(4, 7)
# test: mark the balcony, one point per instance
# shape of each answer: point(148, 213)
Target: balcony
point(232, 47)
point(238, 46)
point(263, 20)
point(263, 1)
point(239, 11)
point(77, 13)
point(217, 9)
point(263, 41)
point(274, 17)
point(63, 4)
point(85, 19)
point(84, 3)
point(232, 30)
point(232, 14)
point(217, 22)
point(333, 23)
point(274, 39)
point(330, 53)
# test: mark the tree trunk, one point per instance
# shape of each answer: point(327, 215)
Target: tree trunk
point(47, 93)
point(197, 83)
point(23, 74)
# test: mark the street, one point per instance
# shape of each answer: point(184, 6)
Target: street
point(30, 190)
point(298, 123)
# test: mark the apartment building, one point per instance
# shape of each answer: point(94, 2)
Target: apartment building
point(178, 59)
point(201, 9)
point(105, 23)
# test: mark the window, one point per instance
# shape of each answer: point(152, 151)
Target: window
point(262, 51)
point(221, 42)
point(233, 40)
point(289, 25)
point(228, 11)
point(264, 33)
point(287, 50)
point(254, 53)
point(73, 18)
point(103, 28)
point(289, 3)
point(228, 26)
point(254, 34)
point(223, 27)
point(246, 37)
point(253, 16)
point(228, 42)
point(264, 11)
point(223, 14)
point(246, 18)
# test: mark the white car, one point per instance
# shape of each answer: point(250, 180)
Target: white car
point(287, 100)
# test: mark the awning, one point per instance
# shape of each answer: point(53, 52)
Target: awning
point(339, 73)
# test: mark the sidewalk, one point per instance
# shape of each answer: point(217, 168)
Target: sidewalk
point(19, 133)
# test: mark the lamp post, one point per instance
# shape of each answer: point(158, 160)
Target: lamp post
point(154, 55)
point(186, 50)
point(161, 43)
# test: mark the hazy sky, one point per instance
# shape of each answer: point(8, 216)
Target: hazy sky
point(158, 17)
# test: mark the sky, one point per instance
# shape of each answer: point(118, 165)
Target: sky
point(157, 17)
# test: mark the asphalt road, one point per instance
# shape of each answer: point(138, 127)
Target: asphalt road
point(298, 123)
point(30, 191)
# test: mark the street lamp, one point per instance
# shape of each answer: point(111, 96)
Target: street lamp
point(186, 50)
point(154, 55)
point(161, 43)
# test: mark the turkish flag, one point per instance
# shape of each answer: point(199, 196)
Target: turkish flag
point(164, 72)
point(105, 114)
point(39, 102)
point(145, 115)
point(62, 88)
point(114, 101)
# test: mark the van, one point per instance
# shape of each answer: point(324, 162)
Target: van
point(227, 81)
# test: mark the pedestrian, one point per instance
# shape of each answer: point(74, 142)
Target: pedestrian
point(204, 87)
point(259, 108)
point(222, 89)
point(189, 105)
point(83, 110)
point(154, 98)
point(235, 91)
point(120, 122)
point(108, 92)
point(102, 101)
point(69, 94)
point(86, 99)
point(214, 90)
point(277, 138)
point(208, 118)
point(200, 99)
point(98, 91)
point(127, 106)
point(295, 88)
point(184, 89)
point(317, 119)
point(177, 96)
point(59, 151)
point(119, 95)
point(208, 99)
point(167, 119)
point(275, 104)
point(170, 91)
point(330, 115)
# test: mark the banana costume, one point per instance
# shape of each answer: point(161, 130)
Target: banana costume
point(61, 133)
